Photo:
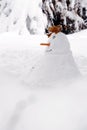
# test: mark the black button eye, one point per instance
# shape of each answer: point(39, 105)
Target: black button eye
point(54, 37)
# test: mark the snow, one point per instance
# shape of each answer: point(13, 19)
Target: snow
point(59, 7)
point(14, 13)
point(49, 105)
point(57, 62)
point(79, 43)
point(13, 16)
point(40, 59)
point(84, 3)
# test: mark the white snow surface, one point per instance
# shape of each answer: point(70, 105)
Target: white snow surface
point(45, 106)
point(44, 64)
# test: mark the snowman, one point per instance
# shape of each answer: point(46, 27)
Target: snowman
point(57, 42)
point(57, 63)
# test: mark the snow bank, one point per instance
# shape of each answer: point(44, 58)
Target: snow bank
point(21, 108)
point(78, 43)
point(56, 64)
point(13, 99)
point(23, 55)
point(64, 108)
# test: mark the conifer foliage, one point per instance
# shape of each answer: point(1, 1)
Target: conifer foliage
point(69, 13)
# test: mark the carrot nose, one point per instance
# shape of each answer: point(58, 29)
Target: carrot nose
point(45, 44)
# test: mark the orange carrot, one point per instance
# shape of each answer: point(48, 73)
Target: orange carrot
point(45, 44)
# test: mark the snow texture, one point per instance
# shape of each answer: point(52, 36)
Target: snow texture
point(62, 107)
point(19, 10)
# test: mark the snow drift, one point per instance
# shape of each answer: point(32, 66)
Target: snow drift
point(22, 108)
point(41, 64)
point(55, 64)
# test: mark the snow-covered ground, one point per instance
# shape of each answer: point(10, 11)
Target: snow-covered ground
point(78, 42)
point(51, 106)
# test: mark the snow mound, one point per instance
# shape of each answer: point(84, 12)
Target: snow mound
point(78, 43)
point(55, 64)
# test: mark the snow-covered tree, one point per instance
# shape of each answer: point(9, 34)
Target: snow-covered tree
point(22, 16)
point(35, 17)
point(68, 13)
point(5, 11)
